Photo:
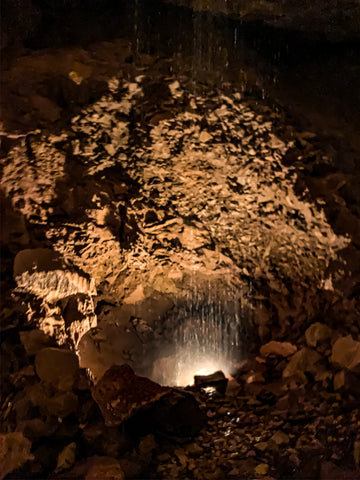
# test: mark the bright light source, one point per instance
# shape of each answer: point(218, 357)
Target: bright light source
point(190, 364)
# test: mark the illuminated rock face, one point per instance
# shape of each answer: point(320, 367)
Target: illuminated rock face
point(330, 19)
point(120, 393)
point(67, 309)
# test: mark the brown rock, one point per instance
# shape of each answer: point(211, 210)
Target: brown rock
point(254, 377)
point(37, 259)
point(120, 393)
point(79, 316)
point(177, 416)
point(59, 404)
point(66, 457)
point(108, 345)
point(330, 471)
point(58, 367)
point(97, 468)
point(281, 349)
point(339, 380)
point(346, 353)
point(280, 437)
point(303, 361)
point(233, 388)
point(35, 340)
point(147, 445)
point(14, 452)
point(193, 238)
point(347, 381)
point(316, 333)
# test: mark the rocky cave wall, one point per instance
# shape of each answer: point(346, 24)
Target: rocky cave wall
point(333, 20)
point(132, 195)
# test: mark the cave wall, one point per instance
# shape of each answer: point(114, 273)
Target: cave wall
point(335, 20)
point(326, 19)
point(22, 19)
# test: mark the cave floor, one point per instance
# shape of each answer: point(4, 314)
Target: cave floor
point(157, 191)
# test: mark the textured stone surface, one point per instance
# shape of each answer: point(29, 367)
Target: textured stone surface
point(14, 452)
point(303, 361)
point(97, 468)
point(317, 333)
point(98, 353)
point(120, 393)
point(281, 349)
point(35, 340)
point(346, 353)
point(57, 367)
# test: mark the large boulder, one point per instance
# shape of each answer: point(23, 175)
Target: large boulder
point(346, 354)
point(146, 406)
point(302, 362)
point(278, 349)
point(317, 333)
point(14, 452)
point(108, 345)
point(177, 416)
point(57, 367)
point(120, 393)
point(96, 468)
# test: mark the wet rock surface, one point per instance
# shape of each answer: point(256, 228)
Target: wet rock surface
point(157, 194)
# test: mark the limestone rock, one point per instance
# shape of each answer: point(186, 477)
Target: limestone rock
point(35, 340)
point(346, 353)
point(177, 416)
point(316, 333)
point(303, 361)
point(58, 367)
point(43, 272)
point(105, 346)
point(97, 468)
point(280, 438)
point(262, 469)
point(147, 445)
point(14, 452)
point(14, 233)
point(54, 285)
point(193, 238)
point(281, 349)
point(50, 402)
point(339, 380)
point(37, 260)
point(346, 381)
point(66, 458)
point(120, 393)
point(79, 316)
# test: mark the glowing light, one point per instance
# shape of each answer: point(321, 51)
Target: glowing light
point(203, 371)
point(210, 390)
point(190, 364)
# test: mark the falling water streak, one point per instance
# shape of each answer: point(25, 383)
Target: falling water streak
point(207, 334)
